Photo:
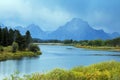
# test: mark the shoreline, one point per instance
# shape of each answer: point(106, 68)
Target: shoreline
point(49, 43)
point(7, 54)
point(18, 55)
point(104, 48)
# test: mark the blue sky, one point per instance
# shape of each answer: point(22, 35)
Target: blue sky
point(50, 14)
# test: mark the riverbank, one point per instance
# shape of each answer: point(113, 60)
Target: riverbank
point(49, 43)
point(100, 71)
point(7, 54)
point(106, 48)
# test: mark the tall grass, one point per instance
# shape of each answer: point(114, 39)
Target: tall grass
point(108, 48)
point(101, 71)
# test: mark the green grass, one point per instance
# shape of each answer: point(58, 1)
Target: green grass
point(99, 47)
point(8, 55)
point(101, 71)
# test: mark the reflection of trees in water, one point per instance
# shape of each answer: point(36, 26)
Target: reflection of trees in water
point(23, 66)
point(19, 65)
point(28, 66)
point(6, 67)
point(10, 66)
point(2, 68)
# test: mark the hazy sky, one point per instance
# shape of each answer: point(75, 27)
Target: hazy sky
point(50, 14)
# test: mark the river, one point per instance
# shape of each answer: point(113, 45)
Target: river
point(55, 56)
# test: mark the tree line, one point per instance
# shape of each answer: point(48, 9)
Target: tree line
point(8, 36)
point(36, 40)
point(111, 42)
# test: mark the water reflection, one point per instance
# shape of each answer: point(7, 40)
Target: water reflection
point(56, 57)
point(10, 66)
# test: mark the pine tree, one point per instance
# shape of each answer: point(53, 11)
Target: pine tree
point(20, 40)
point(5, 36)
point(0, 36)
point(11, 36)
point(28, 38)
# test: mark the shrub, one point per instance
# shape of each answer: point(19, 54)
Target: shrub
point(1, 48)
point(102, 71)
point(14, 47)
point(34, 48)
point(8, 49)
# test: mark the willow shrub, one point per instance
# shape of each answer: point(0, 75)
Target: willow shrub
point(34, 48)
point(14, 47)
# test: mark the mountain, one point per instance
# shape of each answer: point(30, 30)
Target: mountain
point(114, 35)
point(76, 29)
point(21, 29)
point(2, 25)
point(35, 30)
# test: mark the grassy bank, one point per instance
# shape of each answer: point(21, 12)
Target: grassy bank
point(49, 43)
point(7, 54)
point(99, 47)
point(101, 71)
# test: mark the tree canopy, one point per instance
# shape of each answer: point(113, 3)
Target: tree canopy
point(8, 36)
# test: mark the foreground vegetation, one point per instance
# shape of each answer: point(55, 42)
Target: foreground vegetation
point(101, 71)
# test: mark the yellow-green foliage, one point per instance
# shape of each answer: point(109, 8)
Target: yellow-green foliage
point(109, 48)
point(102, 71)
point(7, 54)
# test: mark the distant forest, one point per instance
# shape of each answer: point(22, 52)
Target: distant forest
point(110, 42)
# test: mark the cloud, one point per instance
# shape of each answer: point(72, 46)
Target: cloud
point(16, 12)
point(54, 17)
point(102, 14)
point(13, 11)
point(50, 14)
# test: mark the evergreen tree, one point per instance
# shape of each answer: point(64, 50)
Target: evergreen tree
point(116, 42)
point(16, 35)
point(5, 35)
point(19, 39)
point(22, 43)
point(0, 36)
point(11, 36)
point(28, 38)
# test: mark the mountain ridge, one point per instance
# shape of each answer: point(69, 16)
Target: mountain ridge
point(78, 29)
point(75, 29)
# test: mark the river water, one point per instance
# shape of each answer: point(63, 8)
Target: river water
point(55, 56)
